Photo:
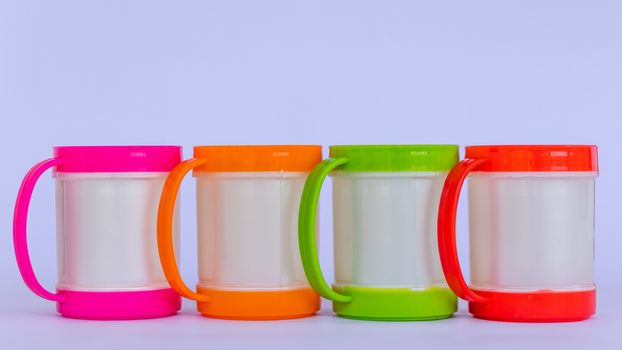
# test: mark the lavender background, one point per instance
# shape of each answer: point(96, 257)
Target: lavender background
point(304, 72)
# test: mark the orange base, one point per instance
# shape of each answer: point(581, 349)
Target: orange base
point(259, 305)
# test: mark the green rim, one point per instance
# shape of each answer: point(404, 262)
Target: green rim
point(395, 304)
point(394, 158)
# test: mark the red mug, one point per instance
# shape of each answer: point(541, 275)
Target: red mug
point(531, 213)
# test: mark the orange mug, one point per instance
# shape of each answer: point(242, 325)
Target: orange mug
point(247, 209)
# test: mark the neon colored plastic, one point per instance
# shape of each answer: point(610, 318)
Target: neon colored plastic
point(525, 158)
point(128, 305)
point(447, 229)
point(396, 304)
point(291, 158)
point(243, 177)
point(166, 248)
point(259, 305)
point(390, 170)
point(78, 165)
point(542, 306)
point(20, 221)
point(392, 158)
point(111, 159)
point(518, 299)
point(307, 219)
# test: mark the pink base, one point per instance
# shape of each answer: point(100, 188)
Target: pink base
point(118, 305)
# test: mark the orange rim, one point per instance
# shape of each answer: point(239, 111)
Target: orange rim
point(258, 158)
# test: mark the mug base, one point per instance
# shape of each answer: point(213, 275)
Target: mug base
point(126, 305)
point(258, 305)
point(395, 304)
point(533, 307)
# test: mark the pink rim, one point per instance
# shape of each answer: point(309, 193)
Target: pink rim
point(100, 159)
point(118, 305)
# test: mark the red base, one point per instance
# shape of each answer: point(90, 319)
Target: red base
point(544, 306)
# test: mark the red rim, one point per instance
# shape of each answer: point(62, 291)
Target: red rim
point(528, 158)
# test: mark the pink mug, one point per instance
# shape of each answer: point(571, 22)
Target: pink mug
point(107, 201)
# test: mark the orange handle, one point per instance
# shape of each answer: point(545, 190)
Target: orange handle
point(165, 228)
point(447, 229)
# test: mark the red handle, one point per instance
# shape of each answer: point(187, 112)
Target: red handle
point(447, 229)
point(20, 220)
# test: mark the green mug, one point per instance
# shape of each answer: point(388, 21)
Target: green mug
point(385, 204)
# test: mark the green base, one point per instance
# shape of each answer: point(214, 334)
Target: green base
point(395, 304)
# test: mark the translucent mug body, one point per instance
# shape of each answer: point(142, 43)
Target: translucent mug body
point(532, 232)
point(106, 200)
point(247, 231)
point(531, 211)
point(385, 229)
point(104, 241)
point(385, 201)
point(249, 264)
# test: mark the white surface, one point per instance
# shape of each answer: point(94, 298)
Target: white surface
point(248, 230)
point(532, 231)
point(106, 231)
point(385, 229)
point(34, 325)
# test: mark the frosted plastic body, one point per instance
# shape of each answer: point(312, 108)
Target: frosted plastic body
point(248, 230)
point(106, 231)
point(385, 229)
point(532, 231)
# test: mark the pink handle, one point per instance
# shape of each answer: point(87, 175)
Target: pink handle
point(20, 220)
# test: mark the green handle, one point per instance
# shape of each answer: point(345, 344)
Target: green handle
point(307, 219)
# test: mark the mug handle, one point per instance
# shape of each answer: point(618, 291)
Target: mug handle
point(447, 247)
point(166, 211)
point(307, 220)
point(20, 224)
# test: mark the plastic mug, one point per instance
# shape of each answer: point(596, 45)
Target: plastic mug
point(385, 201)
point(247, 202)
point(531, 211)
point(106, 202)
